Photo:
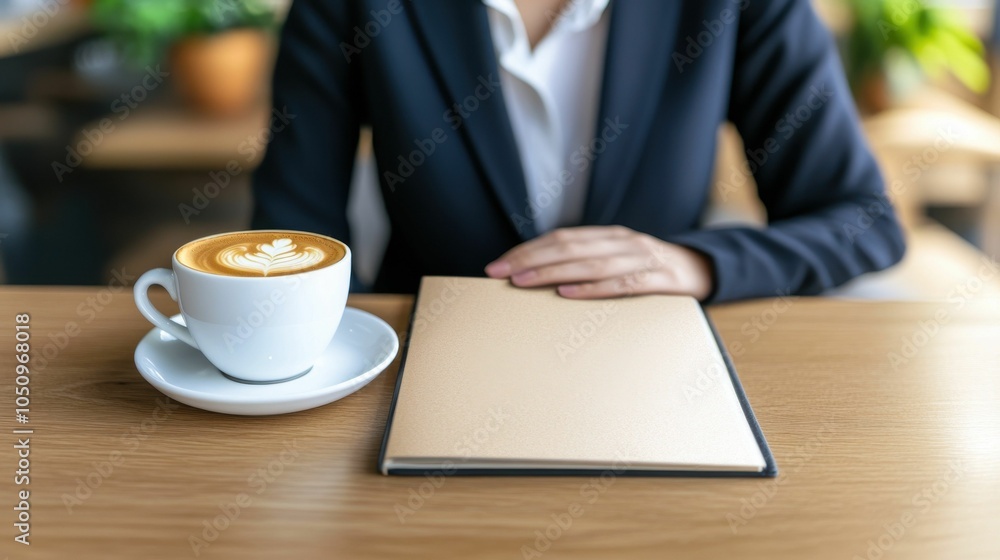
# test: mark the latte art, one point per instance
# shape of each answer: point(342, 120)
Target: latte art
point(261, 254)
point(279, 255)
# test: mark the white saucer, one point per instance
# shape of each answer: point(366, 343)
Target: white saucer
point(363, 346)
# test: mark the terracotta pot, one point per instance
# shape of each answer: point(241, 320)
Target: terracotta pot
point(222, 74)
point(875, 95)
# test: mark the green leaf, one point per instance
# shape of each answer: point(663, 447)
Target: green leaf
point(936, 38)
point(144, 29)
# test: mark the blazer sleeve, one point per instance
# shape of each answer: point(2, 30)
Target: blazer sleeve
point(304, 179)
point(829, 219)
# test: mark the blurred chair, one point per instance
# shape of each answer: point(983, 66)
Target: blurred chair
point(942, 152)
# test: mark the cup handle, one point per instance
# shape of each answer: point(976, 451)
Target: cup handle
point(161, 277)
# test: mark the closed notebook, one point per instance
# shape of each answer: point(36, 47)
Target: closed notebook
point(498, 380)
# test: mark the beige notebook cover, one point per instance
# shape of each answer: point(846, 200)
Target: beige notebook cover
point(502, 380)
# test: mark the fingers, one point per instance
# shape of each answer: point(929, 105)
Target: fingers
point(684, 272)
point(562, 245)
point(605, 261)
point(568, 252)
point(598, 267)
point(631, 285)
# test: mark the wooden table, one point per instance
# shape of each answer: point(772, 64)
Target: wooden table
point(905, 456)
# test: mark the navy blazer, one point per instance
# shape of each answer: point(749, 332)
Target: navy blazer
point(423, 75)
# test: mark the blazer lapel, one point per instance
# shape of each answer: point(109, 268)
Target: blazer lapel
point(457, 36)
point(635, 70)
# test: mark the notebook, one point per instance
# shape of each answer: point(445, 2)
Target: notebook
point(498, 380)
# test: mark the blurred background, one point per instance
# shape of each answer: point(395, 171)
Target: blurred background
point(128, 127)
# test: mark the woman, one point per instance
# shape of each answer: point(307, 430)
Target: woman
point(571, 143)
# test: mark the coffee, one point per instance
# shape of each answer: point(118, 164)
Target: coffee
point(261, 253)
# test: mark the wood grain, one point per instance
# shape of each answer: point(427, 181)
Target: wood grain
point(857, 441)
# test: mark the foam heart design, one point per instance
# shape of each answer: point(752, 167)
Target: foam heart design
point(279, 246)
point(280, 255)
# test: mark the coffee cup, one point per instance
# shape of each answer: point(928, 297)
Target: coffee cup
point(262, 306)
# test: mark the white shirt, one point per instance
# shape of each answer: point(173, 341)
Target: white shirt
point(552, 96)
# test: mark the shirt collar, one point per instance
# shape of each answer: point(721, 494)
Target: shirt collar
point(576, 16)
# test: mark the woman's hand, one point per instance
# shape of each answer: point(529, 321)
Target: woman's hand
point(597, 262)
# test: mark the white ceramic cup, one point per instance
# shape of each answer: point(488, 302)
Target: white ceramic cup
point(253, 329)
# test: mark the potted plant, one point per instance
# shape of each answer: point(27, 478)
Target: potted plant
point(218, 50)
point(896, 44)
